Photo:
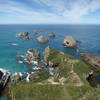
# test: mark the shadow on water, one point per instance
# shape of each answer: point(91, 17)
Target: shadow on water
point(4, 95)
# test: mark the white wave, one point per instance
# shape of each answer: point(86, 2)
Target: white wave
point(14, 44)
point(20, 62)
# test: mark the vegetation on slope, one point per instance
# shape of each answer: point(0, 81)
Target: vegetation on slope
point(73, 70)
point(30, 91)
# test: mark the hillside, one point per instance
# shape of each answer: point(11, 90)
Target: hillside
point(67, 83)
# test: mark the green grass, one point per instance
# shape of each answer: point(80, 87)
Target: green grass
point(86, 90)
point(30, 91)
point(78, 92)
point(82, 70)
point(56, 56)
point(43, 75)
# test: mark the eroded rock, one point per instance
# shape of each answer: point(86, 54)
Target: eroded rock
point(25, 34)
point(69, 42)
point(32, 57)
point(92, 60)
point(17, 77)
point(42, 39)
point(4, 78)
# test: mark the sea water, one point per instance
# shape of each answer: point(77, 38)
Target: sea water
point(10, 45)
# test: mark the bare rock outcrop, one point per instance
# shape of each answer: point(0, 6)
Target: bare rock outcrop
point(26, 38)
point(47, 53)
point(69, 42)
point(92, 60)
point(32, 57)
point(4, 78)
point(42, 39)
point(25, 35)
point(16, 77)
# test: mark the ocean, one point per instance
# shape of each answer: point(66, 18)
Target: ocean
point(10, 45)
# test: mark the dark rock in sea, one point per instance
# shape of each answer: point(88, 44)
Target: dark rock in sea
point(4, 78)
point(52, 34)
point(26, 38)
point(32, 57)
point(25, 34)
point(42, 39)
point(69, 42)
point(35, 32)
point(93, 61)
point(20, 34)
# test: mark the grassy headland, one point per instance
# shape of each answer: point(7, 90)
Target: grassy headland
point(75, 86)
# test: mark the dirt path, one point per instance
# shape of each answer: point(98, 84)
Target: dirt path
point(66, 95)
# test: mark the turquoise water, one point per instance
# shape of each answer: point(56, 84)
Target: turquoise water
point(3, 98)
point(89, 35)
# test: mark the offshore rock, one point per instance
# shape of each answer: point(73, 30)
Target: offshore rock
point(20, 34)
point(52, 34)
point(35, 32)
point(69, 42)
point(32, 57)
point(26, 38)
point(25, 34)
point(42, 39)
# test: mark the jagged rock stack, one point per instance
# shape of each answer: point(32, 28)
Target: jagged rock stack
point(25, 35)
point(35, 32)
point(69, 42)
point(51, 34)
point(47, 53)
point(32, 57)
point(42, 39)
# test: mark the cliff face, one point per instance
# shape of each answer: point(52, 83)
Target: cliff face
point(4, 78)
point(92, 60)
point(67, 82)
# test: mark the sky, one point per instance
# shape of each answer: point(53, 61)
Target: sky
point(49, 11)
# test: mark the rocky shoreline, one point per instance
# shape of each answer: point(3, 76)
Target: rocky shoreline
point(53, 68)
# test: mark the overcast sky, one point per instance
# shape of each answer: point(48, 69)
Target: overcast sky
point(49, 11)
